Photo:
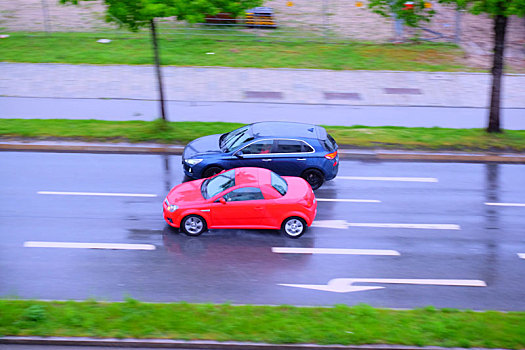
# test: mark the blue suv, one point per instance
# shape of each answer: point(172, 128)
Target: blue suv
point(289, 149)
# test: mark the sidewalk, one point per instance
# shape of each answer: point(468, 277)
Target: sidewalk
point(293, 86)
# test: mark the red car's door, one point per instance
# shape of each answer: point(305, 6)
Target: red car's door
point(243, 207)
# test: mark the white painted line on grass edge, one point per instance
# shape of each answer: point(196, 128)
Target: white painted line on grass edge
point(335, 251)
point(117, 246)
point(98, 194)
point(388, 178)
point(506, 204)
point(348, 200)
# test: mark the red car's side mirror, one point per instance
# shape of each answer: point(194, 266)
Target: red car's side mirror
point(222, 200)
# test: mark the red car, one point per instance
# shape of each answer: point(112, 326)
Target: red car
point(252, 198)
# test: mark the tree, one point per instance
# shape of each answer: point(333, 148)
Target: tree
point(409, 12)
point(136, 14)
point(499, 10)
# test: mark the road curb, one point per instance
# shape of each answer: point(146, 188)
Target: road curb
point(365, 155)
point(196, 344)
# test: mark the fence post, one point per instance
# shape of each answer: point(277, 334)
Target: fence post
point(45, 13)
point(457, 36)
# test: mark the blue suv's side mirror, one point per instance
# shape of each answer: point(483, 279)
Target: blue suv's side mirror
point(238, 154)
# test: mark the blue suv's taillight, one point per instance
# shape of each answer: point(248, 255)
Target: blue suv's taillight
point(331, 156)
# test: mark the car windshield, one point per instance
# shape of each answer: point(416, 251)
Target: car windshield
point(279, 184)
point(235, 138)
point(214, 185)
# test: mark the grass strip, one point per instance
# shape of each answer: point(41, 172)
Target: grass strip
point(341, 324)
point(178, 50)
point(385, 137)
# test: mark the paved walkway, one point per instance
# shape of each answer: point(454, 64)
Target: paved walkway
point(216, 84)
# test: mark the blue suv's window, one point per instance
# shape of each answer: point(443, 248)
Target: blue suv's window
point(329, 143)
point(215, 185)
point(259, 147)
point(292, 146)
point(279, 184)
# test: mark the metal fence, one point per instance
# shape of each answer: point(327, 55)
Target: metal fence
point(326, 20)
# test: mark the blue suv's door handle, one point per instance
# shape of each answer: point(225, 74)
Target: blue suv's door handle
point(301, 158)
point(266, 160)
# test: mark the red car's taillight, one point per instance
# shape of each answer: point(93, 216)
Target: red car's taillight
point(331, 156)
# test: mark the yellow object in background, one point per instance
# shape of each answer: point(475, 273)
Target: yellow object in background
point(359, 4)
point(428, 5)
point(289, 3)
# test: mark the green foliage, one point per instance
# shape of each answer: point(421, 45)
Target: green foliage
point(411, 15)
point(35, 313)
point(491, 7)
point(182, 132)
point(344, 325)
point(129, 48)
point(135, 14)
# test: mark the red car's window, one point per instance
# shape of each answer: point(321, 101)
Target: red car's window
point(279, 184)
point(244, 194)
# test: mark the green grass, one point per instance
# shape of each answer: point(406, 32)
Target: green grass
point(181, 50)
point(389, 137)
point(340, 324)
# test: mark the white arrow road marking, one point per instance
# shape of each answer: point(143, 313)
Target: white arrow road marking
point(98, 194)
point(343, 224)
point(344, 285)
point(388, 178)
point(521, 255)
point(506, 204)
point(335, 251)
point(118, 246)
point(348, 200)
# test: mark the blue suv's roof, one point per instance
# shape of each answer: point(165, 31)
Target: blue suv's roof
point(288, 129)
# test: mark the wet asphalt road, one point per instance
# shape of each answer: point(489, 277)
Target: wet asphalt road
point(470, 241)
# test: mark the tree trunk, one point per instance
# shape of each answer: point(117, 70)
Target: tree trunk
point(157, 68)
point(500, 27)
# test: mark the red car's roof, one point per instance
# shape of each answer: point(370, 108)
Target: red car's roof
point(252, 176)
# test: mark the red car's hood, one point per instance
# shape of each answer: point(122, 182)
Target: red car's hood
point(186, 192)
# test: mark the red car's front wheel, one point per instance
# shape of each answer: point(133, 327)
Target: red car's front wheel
point(193, 225)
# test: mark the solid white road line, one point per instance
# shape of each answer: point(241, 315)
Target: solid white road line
point(506, 204)
point(343, 224)
point(345, 285)
point(419, 226)
point(98, 194)
point(335, 251)
point(521, 255)
point(118, 246)
point(348, 200)
point(389, 178)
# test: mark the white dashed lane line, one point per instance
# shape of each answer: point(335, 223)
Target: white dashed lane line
point(343, 224)
point(334, 251)
point(97, 194)
point(521, 255)
point(348, 200)
point(506, 204)
point(389, 178)
point(111, 246)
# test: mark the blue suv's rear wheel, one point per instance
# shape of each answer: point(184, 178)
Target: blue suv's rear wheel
point(314, 177)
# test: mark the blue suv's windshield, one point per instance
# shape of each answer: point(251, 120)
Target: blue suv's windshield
point(234, 139)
